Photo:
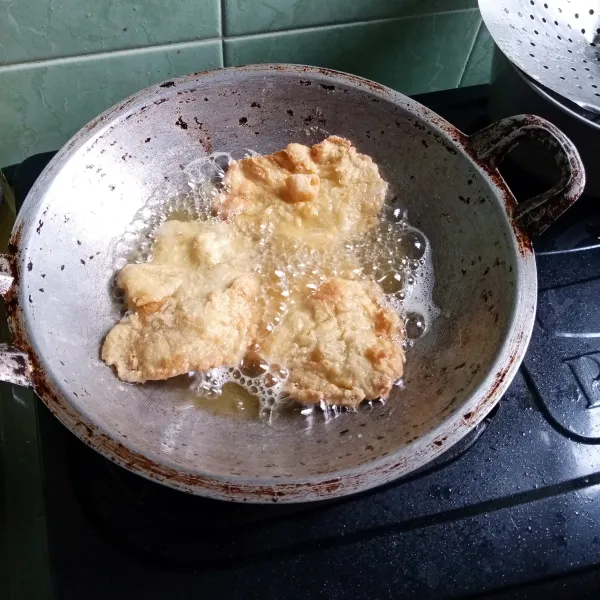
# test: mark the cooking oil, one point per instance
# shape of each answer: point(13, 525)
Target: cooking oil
point(394, 254)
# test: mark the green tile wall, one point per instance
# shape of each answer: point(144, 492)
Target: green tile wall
point(43, 104)
point(413, 55)
point(247, 16)
point(41, 29)
point(479, 65)
point(64, 61)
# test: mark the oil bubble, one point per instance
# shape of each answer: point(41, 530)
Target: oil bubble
point(415, 325)
point(413, 245)
point(391, 283)
point(279, 372)
point(253, 365)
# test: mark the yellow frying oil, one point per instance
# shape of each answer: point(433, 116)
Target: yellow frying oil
point(234, 401)
point(394, 254)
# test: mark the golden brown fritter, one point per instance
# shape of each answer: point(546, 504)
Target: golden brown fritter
point(340, 344)
point(275, 272)
point(193, 307)
point(329, 191)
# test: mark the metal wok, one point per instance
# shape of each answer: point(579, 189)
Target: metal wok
point(56, 279)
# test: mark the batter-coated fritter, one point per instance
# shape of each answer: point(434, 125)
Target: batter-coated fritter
point(193, 307)
point(329, 191)
point(340, 344)
point(286, 219)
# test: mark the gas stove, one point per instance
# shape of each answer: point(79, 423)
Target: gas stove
point(512, 511)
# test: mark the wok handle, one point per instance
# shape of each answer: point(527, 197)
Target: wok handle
point(15, 365)
point(492, 144)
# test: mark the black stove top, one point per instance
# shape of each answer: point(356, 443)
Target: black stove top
point(511, 511)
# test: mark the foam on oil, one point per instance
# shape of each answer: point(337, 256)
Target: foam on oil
point(394, 254)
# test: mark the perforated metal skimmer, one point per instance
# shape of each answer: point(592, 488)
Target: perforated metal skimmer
point(556, 42)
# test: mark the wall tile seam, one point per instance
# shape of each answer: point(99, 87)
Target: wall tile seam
point(470, 53)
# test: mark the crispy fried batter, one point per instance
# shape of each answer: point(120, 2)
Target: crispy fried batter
point(192, 308)
point(339, 344)
point(329, 189)
point(198, 303)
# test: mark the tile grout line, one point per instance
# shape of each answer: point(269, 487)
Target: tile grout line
point(471, 49)
point(32, 64)
point(101, 55)
point(222, 11)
